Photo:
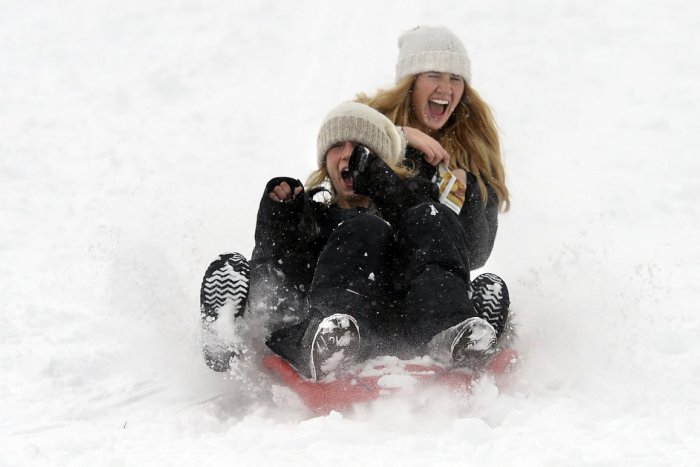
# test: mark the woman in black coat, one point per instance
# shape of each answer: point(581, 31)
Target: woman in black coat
point(450, 129)
point(381, 267)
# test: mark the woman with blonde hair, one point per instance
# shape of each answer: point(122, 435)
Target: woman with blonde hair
point(439, 111)
point(453, 140)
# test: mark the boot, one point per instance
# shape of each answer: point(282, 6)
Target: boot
point(489, 295)
point(468, 343)
point(335, 345)
point(223, 298)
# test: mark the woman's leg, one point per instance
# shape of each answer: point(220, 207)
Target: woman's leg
point(435, 266)
point(352, 286)
point(354, 270)
point(445, 316)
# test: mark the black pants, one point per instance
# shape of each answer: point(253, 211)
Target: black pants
point(402, 287)
point(353, 275)
point(433, 270)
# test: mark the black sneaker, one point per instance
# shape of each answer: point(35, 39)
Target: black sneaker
point(335, 345)
point(489, 295)
point(223, 298)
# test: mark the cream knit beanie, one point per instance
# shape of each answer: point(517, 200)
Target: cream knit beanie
point(360, 123)
point(432, 48)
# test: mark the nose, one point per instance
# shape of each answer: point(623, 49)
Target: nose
point(347, 149)
point(444, 82)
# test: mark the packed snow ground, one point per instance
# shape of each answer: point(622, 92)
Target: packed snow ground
point(136, 138)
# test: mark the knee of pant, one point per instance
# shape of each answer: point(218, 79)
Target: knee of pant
point(370, 227)
point(435, 215)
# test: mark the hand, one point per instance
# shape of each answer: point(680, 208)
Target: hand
point(372, 177)
point(366, 170)
point(434, 152)
point(283, 192)
point(357, 164)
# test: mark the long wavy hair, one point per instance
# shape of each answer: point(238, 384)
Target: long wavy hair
point(470, 135)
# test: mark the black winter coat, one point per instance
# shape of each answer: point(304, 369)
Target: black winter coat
point(299, 228)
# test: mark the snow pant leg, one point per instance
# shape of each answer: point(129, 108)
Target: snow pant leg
point(354, 270)
point(434, 265)
point(353, 276)
point(276, 298)
point(277, 294)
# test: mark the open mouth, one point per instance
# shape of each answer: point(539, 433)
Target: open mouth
point(438, 107)
point(345, 174)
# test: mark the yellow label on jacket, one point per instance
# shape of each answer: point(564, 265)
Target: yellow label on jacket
point(452, 190)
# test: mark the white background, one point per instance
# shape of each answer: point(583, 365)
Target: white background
point(136, 138)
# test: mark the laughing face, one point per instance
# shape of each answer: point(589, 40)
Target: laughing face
point(337, 160)
point(435, 96)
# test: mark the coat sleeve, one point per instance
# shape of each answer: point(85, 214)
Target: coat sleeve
point(278, 223)
point(480, 222)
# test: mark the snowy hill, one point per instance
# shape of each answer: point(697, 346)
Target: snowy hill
point(136, 139)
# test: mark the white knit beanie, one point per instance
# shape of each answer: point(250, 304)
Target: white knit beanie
point(360, 123)
point(432, 48)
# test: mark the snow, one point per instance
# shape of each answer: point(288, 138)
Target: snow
point(135, 141)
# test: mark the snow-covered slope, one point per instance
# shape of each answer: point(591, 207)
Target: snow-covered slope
point(135, 140)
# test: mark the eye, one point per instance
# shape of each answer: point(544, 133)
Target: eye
point(455, 78)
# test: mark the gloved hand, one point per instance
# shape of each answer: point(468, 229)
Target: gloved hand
point(371, 176)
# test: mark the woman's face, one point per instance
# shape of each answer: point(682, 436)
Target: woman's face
point(435, 96)
point(337, 160)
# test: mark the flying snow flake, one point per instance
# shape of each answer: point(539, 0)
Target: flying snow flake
point(371, 276)
point(433, 210)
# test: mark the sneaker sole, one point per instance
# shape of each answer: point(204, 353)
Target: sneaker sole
point(224, 290)
point(226, 281)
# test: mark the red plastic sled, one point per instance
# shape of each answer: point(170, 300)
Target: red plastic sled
point(365, 386)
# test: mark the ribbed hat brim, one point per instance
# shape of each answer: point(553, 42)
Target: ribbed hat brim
point(353, 121)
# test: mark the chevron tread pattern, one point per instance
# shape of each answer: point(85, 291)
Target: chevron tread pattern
point(489, 295)
point(227, 280)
